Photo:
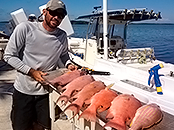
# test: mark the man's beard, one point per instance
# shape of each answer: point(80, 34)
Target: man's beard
point(48, 22)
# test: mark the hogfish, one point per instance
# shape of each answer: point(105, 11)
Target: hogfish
point(146, 116)
point(74, 86)
point(98, 103)
point(122, 111)
point(66, 78)
point(85, 94)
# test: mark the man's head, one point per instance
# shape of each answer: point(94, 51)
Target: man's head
point(32, 18)
point(54, 13)
point(57, 6)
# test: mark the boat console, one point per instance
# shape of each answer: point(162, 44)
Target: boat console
point(118, 21)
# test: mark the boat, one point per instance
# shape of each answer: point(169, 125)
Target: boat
point(3, 42)
point(134, 71)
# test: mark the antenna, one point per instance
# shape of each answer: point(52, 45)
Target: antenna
point(96, 9)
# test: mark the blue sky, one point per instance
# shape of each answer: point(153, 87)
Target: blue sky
point(79, 7)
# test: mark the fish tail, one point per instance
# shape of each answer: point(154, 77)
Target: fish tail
point(73, 107)
point(113, 124)
point(89, 115)
point(63, 98)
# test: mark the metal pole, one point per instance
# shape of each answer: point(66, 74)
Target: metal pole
point(105, 32)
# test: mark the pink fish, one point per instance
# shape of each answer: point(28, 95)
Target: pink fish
point(146, 116)
point(66, 78)
point(99, 103)
point(85, 94)
point(122, 111)
point(74, 86)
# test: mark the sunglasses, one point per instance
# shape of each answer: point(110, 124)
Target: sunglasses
point(55, 13)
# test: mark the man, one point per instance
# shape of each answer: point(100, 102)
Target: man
point(32, 18)
point(34, 49)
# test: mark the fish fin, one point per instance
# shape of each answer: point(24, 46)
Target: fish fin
point(109, 86)
point(88, 115)
point(63, 98)
point(73, 107)
point(113, 124)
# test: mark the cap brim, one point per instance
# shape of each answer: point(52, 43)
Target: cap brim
point(60, 11)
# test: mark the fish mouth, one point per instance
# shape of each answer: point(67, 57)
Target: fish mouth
point(63, 99)
point(101, 109)
point(120, 125)
point(73, 107)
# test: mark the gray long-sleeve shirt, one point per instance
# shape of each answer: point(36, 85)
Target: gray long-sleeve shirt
point(31, 46)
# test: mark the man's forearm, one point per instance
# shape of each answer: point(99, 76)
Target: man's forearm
point(16, 63)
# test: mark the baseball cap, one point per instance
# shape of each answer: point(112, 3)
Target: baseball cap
point(57, 5)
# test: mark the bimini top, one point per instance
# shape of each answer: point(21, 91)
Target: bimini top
point(126, 15)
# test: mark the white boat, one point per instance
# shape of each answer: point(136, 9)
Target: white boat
point(129, 68)
point(3, 42)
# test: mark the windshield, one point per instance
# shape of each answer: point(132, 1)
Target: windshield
point(116, 30)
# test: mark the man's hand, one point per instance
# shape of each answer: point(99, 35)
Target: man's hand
point(37, 75)
point(72, 67)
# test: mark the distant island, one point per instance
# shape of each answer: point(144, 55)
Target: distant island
point(79, 22)
point(86, 22)
point(72, 22)
point(151, 23)
point(4, 21)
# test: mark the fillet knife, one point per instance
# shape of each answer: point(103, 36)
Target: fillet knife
point(49, 83)
point(90, 71)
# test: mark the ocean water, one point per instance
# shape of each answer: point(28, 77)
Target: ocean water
point(158, 36)
point(3, 27)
